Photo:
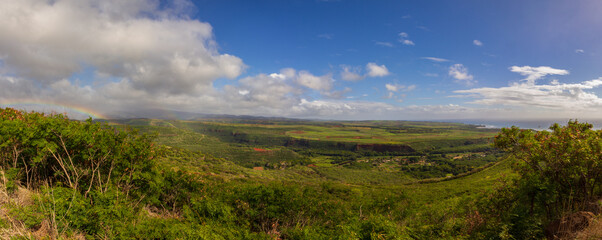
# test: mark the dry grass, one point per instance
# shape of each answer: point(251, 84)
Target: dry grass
point(11, 228)
point(594, 231)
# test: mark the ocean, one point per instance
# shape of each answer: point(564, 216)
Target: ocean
point(540, 124)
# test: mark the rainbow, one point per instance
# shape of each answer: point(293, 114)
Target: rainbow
point(68, 109)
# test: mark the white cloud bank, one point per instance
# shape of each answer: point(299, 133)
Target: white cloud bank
point(560, 99)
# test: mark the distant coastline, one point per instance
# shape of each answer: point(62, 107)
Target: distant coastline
point(535, 124)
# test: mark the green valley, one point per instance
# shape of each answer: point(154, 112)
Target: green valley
point(239, 178)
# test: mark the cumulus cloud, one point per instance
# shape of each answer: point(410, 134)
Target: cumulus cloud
point(534, 73)
point(460, 73)
point(477, 43)
point(404, 39)
point(436, 59)
point(154, 49)
point(375, 70)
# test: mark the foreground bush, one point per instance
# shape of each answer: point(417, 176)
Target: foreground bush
point(558, 172)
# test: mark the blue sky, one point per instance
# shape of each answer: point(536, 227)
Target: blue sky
point(406, 60)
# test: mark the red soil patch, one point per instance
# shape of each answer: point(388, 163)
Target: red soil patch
point(355, 137)
point(312, 165)
point(258, 168)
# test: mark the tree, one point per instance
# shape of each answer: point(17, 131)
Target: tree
point(559, 171)
point(84, 156)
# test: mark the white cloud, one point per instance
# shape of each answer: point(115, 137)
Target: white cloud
point(385, 44)
point(561, 99)
point(268, 91)
point(372, 70)
point(278, 75)
point(397, 87)
point(263, 95)
point(460, 73)
point(154, 49)
point(579, 51)
point(142, 58)
point(375, 70)
point(534, 73)
point(408, 42)
point(351, 74)
point(320, 83)
point(431, 74)
point(477, 43)
point(404, 39)
point(436, 59)
point(392, 89)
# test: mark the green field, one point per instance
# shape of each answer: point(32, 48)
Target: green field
point(373, 152)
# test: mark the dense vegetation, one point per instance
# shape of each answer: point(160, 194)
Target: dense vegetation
point(559, 172)
point(73, 179)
